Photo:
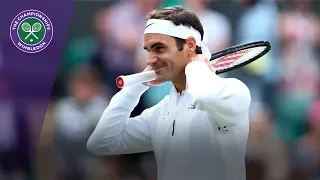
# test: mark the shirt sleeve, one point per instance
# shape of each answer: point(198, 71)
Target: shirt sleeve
point(225, 99)
point(116, 132)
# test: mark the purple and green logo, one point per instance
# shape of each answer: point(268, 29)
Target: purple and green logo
point(31, 31)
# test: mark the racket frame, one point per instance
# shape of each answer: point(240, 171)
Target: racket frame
point(237, 48)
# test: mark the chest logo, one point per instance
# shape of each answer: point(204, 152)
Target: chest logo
point(192, 106)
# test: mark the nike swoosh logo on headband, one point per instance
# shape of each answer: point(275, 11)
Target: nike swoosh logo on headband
point(149, 24)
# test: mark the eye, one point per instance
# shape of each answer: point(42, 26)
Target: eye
point(159, 49)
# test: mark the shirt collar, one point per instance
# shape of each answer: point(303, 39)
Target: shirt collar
point(182, 92)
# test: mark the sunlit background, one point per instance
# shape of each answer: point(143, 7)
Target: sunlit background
point(105, 40)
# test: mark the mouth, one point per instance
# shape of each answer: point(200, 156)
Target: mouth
point(158, 69)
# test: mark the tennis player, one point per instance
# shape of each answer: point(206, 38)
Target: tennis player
point(197, 132)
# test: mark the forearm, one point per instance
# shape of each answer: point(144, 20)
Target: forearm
point(223, 98)
point(108, 137)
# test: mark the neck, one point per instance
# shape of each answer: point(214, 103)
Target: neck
point(180, 82)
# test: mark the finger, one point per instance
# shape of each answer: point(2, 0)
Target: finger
point(196, 58)
point(211, 67)
point(146, 83)
point(203, 58)
point(207, 59)
point(148, 68)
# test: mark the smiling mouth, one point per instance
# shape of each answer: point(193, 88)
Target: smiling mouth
point(158, 68)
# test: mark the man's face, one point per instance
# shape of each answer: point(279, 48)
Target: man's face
point(164, 56)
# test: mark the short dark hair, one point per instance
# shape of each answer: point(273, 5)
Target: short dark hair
point(179, 15)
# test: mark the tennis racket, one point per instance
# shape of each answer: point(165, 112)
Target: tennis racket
point(226, 60)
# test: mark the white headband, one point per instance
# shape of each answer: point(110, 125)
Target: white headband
point(167, 27)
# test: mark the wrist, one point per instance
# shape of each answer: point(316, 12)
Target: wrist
point(137, 89)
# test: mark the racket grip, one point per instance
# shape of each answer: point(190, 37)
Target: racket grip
point(142, 77)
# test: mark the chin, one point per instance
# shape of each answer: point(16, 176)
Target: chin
point(161, 80)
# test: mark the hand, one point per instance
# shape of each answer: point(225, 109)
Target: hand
point(201, 57)
point(148, 68)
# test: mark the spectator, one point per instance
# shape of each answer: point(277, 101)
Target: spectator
point(297, 87)
point(299, 24)
point(125, 31)
point(79, 50)
point(265, 148)
point(307, 160)
point(216, 24)
point(75, 118)
point(258, 23)
point(11, 159)
point(118, 54)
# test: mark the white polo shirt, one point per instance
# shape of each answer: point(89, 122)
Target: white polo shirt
point(198, 135)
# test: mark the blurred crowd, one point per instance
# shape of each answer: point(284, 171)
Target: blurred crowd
point(284, 140)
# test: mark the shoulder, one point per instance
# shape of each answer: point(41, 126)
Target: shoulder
point(236, 84)
point(100, 101)
point(64, 108)
point(242, 88)
point(240, 92)
point(63, 104)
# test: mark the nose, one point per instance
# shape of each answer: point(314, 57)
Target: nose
point(151, 60)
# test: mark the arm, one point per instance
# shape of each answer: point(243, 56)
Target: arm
point(224, 99)
point(116, 133)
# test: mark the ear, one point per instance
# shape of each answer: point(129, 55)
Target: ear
point(191, 45)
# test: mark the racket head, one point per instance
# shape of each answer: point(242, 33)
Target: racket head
point(26, 27)
point(36, 27)
point(239, 55)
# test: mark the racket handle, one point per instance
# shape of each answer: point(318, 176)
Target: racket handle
point(142, 77)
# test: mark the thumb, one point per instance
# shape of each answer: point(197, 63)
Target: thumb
point(147, 83)
point(211, 67)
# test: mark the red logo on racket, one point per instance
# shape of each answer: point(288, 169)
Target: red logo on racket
point(230, 58)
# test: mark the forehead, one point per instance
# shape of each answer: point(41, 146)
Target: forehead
point(150, 39)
